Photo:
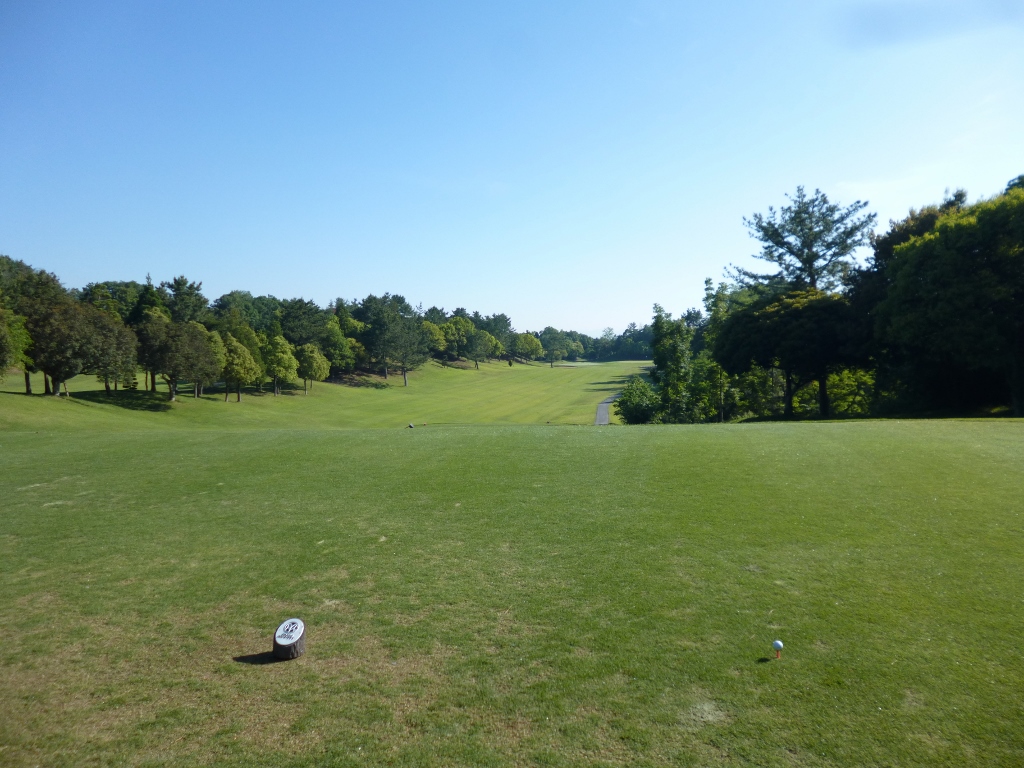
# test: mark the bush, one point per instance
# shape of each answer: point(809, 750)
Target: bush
point(638, 403)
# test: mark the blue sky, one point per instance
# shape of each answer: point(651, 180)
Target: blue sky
point(567, 163)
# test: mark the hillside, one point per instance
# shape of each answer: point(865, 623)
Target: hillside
point(494, 394)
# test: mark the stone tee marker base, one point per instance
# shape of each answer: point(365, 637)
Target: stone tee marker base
point(290, 639)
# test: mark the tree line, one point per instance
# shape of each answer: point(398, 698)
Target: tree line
point(933, 323)
point(119, 330)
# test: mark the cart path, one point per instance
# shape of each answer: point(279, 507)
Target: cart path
point(602, 411)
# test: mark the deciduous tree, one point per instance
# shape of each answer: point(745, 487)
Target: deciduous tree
point(239, 367)
point(280, 362)
point(313, 366)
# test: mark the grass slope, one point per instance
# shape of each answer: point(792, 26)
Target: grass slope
point(501, 595)
point(495, 394)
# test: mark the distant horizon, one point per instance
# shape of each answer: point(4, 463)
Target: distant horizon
point(567, 166)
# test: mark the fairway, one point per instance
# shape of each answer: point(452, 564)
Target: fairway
point(515, 595)
point(495, 394)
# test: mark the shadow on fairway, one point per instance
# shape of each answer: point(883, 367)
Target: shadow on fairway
point(131, 399)
point(763, 660)
point(267, 657)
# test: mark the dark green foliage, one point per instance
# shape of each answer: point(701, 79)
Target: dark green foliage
point(185, 300)
point(114, 297)
point(113, 349)
point(805, 334)
point(186, 353)
point(302, 321)
point(381, 316)
point(810, 241)
point(956, 293)
point(408, 344)
point(671, 372)
point(555, 344)
point(150, 298)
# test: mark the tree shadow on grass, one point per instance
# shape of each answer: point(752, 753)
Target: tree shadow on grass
point(267, 657)
point(130, 399)
point(763, 660)
point(356, 380)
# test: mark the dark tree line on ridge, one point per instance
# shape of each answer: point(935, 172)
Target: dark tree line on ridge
point(932, 324)
point(118, 330)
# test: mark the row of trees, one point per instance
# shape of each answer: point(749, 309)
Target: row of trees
point(933, 322)
point(172, 332)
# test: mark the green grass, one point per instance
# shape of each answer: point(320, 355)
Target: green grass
point(495, 394)
point(510, 595)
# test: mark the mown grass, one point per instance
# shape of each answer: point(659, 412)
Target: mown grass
point(503, 595)
point(494, 394)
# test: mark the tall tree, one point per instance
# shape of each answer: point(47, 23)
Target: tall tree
point(810, 241)
point(803, 333)
point(302, 321)
point(186, 302)
point(555, 344)
point(61, 342)
point(526, 346)
point(239, 367)
point(409, 345)
point(481, 346)
point(149, 298)
point(957, 292)
point(671, 371)
point(381, 315)
point(151, 332)
point(14, 341)
point(336, 347)
point(313, 366)
point(112, 351)
point(280, 362)
point(186, 354)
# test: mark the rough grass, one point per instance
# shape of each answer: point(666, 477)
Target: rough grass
point(502, 595)
point(494, 394)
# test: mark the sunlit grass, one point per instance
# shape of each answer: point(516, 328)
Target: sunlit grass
point(495, 394)
point(515, 595)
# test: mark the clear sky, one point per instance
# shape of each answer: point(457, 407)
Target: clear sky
point(568, 163)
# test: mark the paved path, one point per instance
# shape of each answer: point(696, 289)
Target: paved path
point(602, 411)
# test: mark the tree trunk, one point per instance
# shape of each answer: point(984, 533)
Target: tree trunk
point(28, 383)
point(721, 398)
point(66, 393)
point(52, 387)
point(824, 405)
point(787, 412)
point(152, 381)
point(385, 371)
point(227, 391)
point(305, 389)
point(405, 376)
point(239, 392)
point(47, 390)
point(115, 385)
point(172, 388)
point(1017, 385)
point(106, 385)
point(477, 364)
point(145, 380)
